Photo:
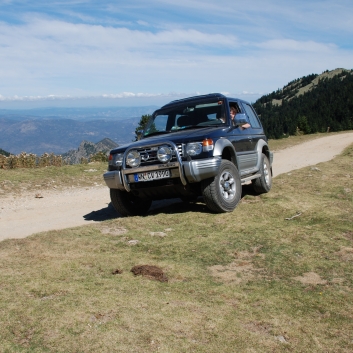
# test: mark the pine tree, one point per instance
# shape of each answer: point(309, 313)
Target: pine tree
point(141, 126)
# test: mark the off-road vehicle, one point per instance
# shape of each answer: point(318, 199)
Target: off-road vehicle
point(192, 147)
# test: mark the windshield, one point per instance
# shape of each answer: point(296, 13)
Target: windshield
point(185, 116)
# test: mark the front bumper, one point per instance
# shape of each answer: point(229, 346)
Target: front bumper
point(192, 171)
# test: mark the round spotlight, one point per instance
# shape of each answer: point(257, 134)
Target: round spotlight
point(133, 158)
point(164, 154)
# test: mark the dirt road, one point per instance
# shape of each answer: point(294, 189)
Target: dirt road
point(26, 215)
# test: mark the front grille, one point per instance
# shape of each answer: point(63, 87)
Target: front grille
point(149, 155)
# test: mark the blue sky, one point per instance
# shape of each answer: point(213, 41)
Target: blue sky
point(138, 52)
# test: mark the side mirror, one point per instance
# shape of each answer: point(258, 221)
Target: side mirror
point(240, 119)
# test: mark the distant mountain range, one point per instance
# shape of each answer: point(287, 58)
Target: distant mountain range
point(58, 130)
point(59, 135)
point(81, 114)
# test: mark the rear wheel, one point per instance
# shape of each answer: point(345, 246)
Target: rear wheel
point(223, 192)
point(127, 204)
point(264, 183)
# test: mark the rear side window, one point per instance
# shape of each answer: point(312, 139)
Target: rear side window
point(254, 121)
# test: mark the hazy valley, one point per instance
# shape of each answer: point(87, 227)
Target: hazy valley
point(59, 130)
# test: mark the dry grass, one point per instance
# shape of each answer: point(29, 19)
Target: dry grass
point(14, 181)
point(248, 281)
point(30, 160)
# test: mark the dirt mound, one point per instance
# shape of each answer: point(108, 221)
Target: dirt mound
point(151, 272)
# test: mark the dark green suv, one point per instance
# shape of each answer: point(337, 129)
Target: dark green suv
point(199, 146)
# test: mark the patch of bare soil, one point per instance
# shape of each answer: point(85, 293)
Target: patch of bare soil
point(346, 254)
point(348, 235)
point(264, 329)
point(310, 278)
point(258, 327)
point(103, 317)
point(241, 270)
point(113, 231)
point(150, 272)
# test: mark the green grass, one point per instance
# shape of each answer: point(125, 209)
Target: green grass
point(246, 281)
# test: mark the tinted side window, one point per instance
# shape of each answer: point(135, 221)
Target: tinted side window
point(254, 122)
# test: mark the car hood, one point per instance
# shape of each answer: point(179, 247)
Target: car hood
point(181, 136)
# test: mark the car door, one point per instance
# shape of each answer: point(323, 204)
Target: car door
point(256, 131)
point(242, 139)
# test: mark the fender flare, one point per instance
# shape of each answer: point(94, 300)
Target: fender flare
point(259, 148)
point(219, 147)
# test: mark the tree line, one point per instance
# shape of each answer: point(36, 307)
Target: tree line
point(328, 106)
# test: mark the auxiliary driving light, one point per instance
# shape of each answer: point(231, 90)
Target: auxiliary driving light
point(164, 154)
point(133, 158)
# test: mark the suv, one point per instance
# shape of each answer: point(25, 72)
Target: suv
point(192, 147)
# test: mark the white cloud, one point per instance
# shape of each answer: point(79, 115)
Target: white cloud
point(197, 47)
point(117, 96)
point(143, 23)
point(295, 45)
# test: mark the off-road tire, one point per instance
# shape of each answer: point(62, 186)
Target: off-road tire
point(127, 204)
point(223, 192)
point(264, 183)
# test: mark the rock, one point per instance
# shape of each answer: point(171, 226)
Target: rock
point(281, 339)
point(133, 242)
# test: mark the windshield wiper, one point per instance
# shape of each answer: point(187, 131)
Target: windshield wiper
point(181, 128)
point(193, 127)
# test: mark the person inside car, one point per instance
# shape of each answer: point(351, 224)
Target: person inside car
point(233, 113)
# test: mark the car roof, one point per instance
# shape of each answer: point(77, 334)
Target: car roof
point(204, 97)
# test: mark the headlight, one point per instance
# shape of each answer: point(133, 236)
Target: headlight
point(164, 154)
point(133, 159)
point(194, 148)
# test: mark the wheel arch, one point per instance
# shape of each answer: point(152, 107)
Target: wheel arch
point(225, 149)
point(262, 147)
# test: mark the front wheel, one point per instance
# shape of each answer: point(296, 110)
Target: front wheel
point(264, 183)
point(223, 192)
point(127, 204)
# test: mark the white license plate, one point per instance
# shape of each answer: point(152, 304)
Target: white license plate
point(155, 175)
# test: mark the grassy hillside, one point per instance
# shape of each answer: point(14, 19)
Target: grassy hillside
point(275, 275)
point(4, 152)
point(314, 103)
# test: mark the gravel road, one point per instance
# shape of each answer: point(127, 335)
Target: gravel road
point(24, 215)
